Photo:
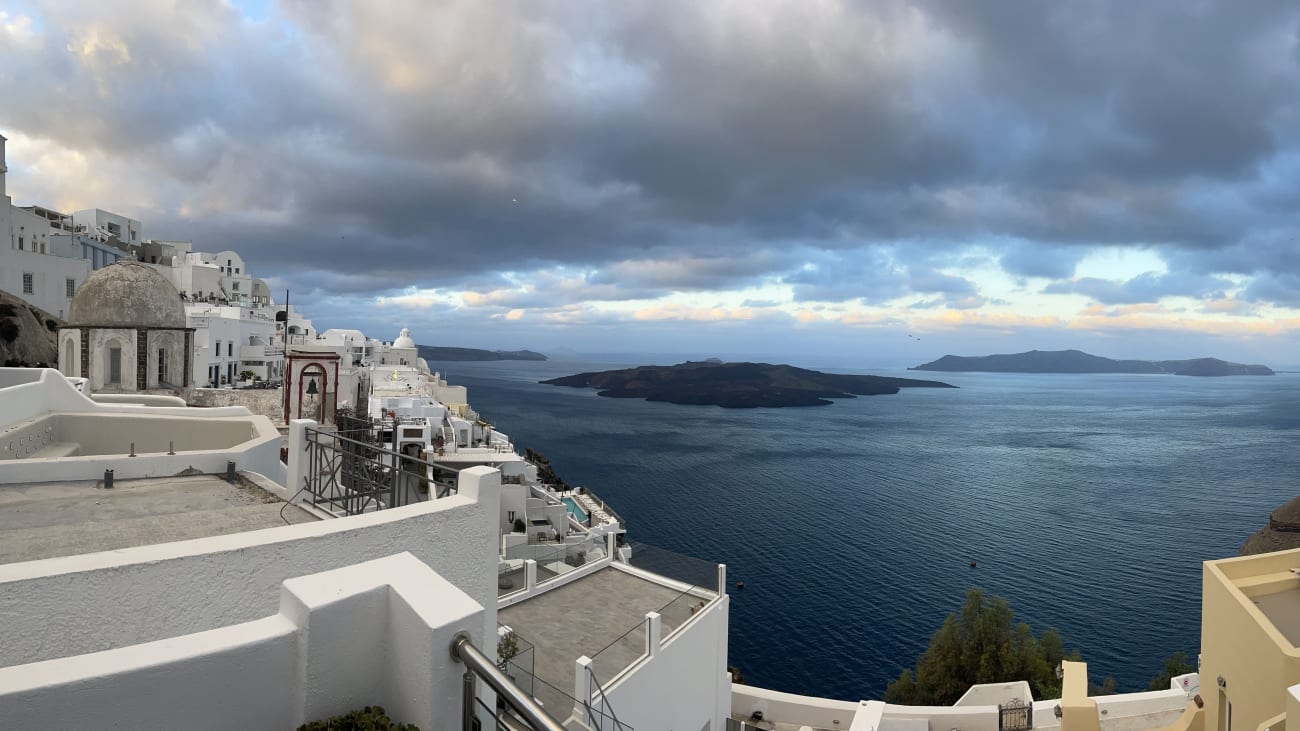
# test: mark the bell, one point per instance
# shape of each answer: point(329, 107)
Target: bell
point(311, 388)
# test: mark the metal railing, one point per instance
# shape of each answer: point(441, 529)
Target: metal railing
point(600, 714)
point(603, 506)
point(480, 667)
point(629, 649)
point(699, 586)
point(349, 473)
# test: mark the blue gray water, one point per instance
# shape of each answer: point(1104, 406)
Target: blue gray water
point(1088, 501)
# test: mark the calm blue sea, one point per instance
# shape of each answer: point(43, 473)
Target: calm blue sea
point(1088, 501)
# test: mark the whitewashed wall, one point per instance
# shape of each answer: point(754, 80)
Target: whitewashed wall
point(374, 633)
point(79, 604)
point(789, 708)
point(690, 669)
point(49, 277)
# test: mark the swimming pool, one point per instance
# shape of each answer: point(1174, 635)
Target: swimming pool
point(575, 509)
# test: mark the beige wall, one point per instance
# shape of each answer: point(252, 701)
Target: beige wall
point(1240, 644)
point(266, 402)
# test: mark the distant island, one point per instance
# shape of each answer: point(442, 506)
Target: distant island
point(443, 354)
point(736, 385)
point(1077, 361)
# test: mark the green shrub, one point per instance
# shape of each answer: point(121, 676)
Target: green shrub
point(519, 525)
point(370, 718)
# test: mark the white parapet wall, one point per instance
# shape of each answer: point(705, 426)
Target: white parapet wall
point(81, 604)
point(940, 718)
point(788, 708)
point(49, 431)
point(372, 633)
point(688, 667)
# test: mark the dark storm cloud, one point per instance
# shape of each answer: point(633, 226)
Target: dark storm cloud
point(845, 149)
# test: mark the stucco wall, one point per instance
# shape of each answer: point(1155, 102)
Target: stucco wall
point(79, 604)
point(267, 402)
point(964, 718)
point(690, 669)
point(1239, 644)
point(49, 276)
point(789, 708)
point(374, 633)
point(235, 677)
point(104, 442)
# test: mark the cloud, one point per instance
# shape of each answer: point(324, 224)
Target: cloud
point(1148, 287)
point(529, 161)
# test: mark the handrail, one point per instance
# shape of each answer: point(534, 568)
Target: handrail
point(463, 650)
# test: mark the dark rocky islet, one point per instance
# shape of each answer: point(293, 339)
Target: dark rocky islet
point(1077, 361)
point(737, 385)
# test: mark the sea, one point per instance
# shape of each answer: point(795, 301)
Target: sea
point(1087, 501)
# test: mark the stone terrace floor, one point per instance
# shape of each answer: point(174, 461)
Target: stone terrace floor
point(49, 519)
point(584, 617)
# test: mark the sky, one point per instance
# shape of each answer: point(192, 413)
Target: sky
point(882, 182)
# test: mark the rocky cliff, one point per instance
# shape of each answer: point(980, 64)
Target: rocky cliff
point(27, 334)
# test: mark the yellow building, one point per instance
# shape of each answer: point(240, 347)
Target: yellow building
point(1250, 641)
point(1250, 651)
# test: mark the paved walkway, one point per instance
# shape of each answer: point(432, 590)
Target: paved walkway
point(49, 519)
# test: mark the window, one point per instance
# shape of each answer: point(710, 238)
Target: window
point(236, 272)
point(20, 243)
point(71, 287)
point(218, 348)
point(230, 348)
point(234, 286)
point(162, 366)
point(134, 234)
point(42, 246)
point(29, 284)
point(115, 365)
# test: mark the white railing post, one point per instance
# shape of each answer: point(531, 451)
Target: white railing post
point(296, 469)
point(653, 633)
point(722, 579)
point(530, 575)
point(582, 683)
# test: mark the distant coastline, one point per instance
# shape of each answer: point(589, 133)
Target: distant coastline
point(736, 385)
point(1077, 361)
point(438, 353)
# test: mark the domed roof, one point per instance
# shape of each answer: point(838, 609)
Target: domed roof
point(404, 339)
point(127, 294)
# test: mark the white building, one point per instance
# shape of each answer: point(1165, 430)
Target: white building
point(95, 221)
point(43, 260)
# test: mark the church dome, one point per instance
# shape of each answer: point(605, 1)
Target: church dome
point(404, 339)
point(127, 294)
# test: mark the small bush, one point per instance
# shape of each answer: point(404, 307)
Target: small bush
point(8, 330)
point(370, 718)
point(519, 525)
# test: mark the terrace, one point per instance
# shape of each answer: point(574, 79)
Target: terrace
point(51, 519)
point(602, 615)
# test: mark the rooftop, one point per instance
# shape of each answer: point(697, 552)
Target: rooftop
point(50, 519)
point(1283, 610)
point(592, 616)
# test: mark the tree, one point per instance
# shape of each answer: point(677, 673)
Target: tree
point(981, 644)
point(1175, 665)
